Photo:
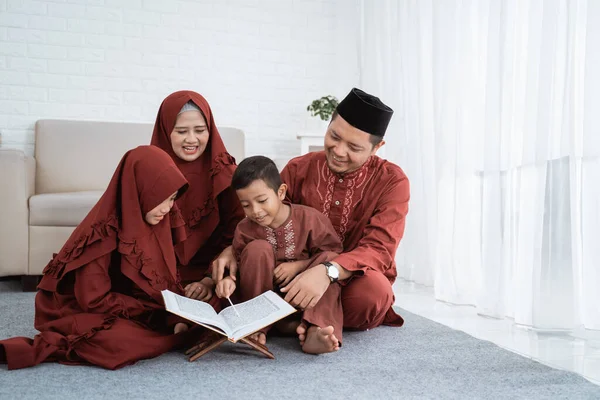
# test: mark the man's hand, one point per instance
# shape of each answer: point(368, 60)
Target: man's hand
point(225, 287)
point(307, 288)
point(226, 260)
point(202, 290)
point(286, 271)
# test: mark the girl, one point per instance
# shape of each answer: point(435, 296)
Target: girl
point(99, 301)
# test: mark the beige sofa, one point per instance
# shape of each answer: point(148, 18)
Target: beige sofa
point(44, 197)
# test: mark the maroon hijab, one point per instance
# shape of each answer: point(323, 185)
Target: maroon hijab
point(208, 176)
point(145, 177)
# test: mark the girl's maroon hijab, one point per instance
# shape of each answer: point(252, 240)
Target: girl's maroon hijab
point(208, 176)
point(145, 177)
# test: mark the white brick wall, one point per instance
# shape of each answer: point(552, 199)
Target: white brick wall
point(258, 62)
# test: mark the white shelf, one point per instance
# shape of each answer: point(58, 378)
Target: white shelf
point(311, 141)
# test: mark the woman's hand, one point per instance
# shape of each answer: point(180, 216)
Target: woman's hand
point(226, 260)
point(202, 290)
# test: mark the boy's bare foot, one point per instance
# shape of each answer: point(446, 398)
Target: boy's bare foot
point(260, 337)
point(318, 340)
point(180, 327)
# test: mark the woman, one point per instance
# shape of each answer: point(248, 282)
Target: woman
point(186, 130)
point(99, 301)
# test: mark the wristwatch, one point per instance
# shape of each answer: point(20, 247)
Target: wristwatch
point(332, 272)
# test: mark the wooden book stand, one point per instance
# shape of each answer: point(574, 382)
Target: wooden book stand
point(211, 341)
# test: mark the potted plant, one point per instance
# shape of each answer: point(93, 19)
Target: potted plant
point(323, 107)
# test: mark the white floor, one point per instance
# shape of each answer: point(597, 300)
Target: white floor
point(578, 352)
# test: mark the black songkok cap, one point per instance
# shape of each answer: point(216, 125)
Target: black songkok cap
point(365, 112)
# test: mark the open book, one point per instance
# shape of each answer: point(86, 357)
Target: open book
point(254, 314)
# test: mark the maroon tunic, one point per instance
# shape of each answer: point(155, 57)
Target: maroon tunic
point(211, 209)
point(305, 235)
point(99, 300)
point(367, 208)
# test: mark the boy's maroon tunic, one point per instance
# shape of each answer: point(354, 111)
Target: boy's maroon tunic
point(306, 234)
point(99, 300)
point(211, 208)
point(367, 208)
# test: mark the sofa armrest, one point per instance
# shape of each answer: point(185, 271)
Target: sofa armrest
point(17, 184)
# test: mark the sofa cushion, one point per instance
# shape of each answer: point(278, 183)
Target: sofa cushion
point(82, 155)
point(61, 209)
point(43, 242)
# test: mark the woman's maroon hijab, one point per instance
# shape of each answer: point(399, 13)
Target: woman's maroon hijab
point(208, 176)
point(145, 177)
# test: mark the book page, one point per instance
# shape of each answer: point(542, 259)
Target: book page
point(196, 308)
point(250, 311)
point(255, 314)
point(196, 311)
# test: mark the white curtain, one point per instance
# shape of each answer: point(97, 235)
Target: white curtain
point(497, 125)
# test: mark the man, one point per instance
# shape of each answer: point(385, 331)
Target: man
point(366, 199)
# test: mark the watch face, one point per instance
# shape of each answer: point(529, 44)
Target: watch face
point(333, 272)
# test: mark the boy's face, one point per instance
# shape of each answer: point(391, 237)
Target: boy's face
point(262, 204)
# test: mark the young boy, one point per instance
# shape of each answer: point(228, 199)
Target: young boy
point(276, 242)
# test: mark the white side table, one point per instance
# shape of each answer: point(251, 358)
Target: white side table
point(311, 141)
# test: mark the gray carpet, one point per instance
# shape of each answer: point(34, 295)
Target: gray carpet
point(422, 360)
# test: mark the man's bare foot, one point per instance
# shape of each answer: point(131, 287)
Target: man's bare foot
point(301, 331)
point(288, 326)
point(180, 327)
point(260, 337)
point(320, 340)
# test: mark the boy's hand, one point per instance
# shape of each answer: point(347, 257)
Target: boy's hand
point(225, 287)
point(202, 290)
point(285, 272)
